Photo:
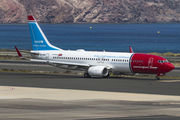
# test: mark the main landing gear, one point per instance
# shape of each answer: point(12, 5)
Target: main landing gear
point(86, 75)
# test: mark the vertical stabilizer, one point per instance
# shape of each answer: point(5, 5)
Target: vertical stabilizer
point(39, 40)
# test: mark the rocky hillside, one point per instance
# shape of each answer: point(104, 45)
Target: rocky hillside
point(90, 11)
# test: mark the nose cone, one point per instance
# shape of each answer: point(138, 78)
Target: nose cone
point(170, 67)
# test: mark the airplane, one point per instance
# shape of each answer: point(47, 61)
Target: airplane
point(94, 64)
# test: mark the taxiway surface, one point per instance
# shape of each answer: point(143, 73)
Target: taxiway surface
point(30, 96)
point(112, 84)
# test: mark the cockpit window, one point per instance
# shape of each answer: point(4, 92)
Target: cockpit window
point(163, 61)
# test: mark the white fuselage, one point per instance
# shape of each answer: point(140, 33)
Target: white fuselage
point(119, 61)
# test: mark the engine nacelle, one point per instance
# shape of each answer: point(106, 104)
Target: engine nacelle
point(98, 71)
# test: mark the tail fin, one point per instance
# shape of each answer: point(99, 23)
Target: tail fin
point(39, 40)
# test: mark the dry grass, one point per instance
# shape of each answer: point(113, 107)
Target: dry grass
point(7, 50)
point(166, 54)
point(9, 57)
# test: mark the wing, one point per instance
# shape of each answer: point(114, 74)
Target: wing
point(60, 64)
point(67, 64)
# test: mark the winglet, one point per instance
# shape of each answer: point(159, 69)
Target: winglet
point(19, 54)
point(130, 49)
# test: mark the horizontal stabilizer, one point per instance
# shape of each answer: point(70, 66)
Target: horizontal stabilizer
point(19, 54)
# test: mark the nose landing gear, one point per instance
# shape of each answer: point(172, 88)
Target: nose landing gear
point(157, 76)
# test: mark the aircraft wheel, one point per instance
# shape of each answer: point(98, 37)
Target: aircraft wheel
point(157, 78)
point(86, 75)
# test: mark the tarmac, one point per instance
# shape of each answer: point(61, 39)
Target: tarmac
point(30, 96)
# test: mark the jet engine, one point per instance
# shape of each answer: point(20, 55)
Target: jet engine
point(98, 71)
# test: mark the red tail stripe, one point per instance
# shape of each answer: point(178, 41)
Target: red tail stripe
point(30, 17)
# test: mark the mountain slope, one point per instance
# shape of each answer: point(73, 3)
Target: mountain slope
point(90, 11)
